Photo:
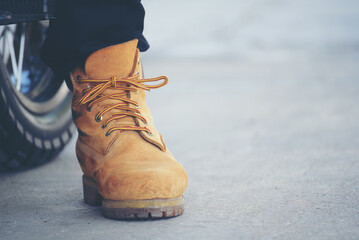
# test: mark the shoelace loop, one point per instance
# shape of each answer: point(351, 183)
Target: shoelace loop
point(132, 84)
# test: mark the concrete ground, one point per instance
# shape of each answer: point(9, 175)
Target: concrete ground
point(262, 110)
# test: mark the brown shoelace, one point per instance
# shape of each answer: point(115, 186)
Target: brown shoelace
point(132, 84)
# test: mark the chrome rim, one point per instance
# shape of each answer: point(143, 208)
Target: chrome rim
point(34, 84)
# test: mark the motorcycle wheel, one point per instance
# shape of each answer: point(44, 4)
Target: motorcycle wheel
point(35, 117)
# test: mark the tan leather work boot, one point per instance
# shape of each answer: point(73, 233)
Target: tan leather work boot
point(125, 162)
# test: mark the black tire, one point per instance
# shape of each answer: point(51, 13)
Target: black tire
point(35, 124)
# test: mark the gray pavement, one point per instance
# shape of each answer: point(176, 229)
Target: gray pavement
point(262, 111)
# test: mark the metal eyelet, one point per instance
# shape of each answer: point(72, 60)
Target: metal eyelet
point(104, 126)
point(88, 108)
point(137, 106)
point(137, 73)
point(146, 123)
point(83, 92)
point(107, 134)
point(98, 119)
point(150, 133)
point(78, 78)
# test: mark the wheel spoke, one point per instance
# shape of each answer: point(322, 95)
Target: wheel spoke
point(4, 50)
point(10, 43)
point(21, 58)
point(9, 49)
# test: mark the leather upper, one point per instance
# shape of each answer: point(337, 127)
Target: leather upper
point(126, 164)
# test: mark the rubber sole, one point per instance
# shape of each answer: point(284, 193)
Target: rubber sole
point(132, 209)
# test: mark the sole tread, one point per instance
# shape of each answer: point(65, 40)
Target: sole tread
point(132, 209)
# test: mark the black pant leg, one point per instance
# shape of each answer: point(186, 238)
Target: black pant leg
point(84, 26)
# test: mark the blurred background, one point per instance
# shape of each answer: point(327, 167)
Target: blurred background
point(262, 111)
point(258, 30)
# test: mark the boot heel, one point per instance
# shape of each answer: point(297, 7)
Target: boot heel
point(91, 196)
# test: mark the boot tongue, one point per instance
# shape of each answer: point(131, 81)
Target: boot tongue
point(116, 60)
